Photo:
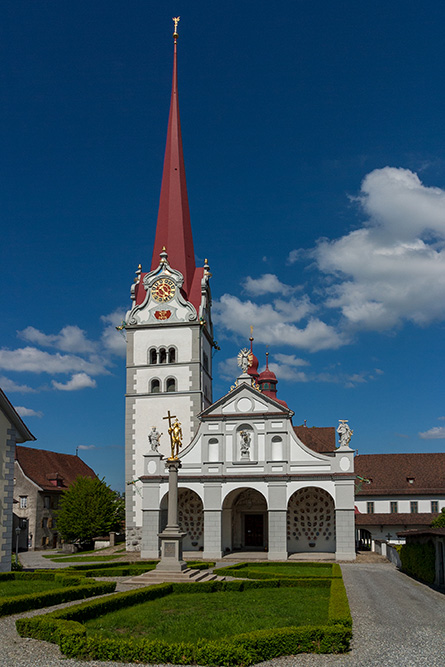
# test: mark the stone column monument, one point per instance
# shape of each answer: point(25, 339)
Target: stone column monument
point(171, 537)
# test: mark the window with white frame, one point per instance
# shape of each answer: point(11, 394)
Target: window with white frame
point(414, 507)
point(23, 502)
point(434, 506)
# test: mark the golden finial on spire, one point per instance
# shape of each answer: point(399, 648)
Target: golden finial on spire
point(176, 21)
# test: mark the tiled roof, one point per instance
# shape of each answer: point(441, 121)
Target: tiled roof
point(396, 519)
point(46, 468)
point(318, 438)
point(423, 531)
point(390, 474)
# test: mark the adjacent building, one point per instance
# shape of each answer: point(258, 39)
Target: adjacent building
point(396, 492)
point(12, 430)
point(40, 479)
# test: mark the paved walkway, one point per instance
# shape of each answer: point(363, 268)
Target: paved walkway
point(398, 622)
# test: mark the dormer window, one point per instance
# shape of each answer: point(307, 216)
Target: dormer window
point(410, 480)
point(55, 478)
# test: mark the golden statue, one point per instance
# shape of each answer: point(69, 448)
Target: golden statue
point(175, 433)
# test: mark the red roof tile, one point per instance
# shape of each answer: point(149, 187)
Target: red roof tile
point(396, 519)
point(318, 438)
point(44, 468)
point(390, 474)
point(423, 531)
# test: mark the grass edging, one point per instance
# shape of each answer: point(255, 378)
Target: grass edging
point(65, 628)
point(248, 570)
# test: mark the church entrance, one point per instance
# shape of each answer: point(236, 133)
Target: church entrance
point(254, 530)
point(244, 521)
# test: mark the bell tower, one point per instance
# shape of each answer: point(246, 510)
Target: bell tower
point(168, 328)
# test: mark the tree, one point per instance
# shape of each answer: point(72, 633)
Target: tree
point(439, 522)
point(88, 509)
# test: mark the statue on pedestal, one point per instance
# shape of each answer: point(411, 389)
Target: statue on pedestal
point(154, 438)
point(245, 444)
point(345, 433)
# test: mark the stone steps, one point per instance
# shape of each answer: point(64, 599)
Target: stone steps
point(159, 577)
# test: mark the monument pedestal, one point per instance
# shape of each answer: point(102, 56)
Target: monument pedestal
point(171, 537)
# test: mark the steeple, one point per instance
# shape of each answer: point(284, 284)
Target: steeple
point(173, 228)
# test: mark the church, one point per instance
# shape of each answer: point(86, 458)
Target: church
point(249, 480)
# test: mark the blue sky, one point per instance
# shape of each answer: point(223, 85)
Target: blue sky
point(314, 145)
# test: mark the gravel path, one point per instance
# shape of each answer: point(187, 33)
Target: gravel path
point(397, 623)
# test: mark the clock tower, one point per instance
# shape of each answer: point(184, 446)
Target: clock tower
point(168, 328)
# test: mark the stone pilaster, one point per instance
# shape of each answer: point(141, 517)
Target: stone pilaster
point(345, 534)
point(277, 515)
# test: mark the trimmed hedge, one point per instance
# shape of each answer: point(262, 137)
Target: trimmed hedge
point(64, 627)
point(245, 649)
point(128, 569)
point(419, 560)
point(339, 612)
point(65, 593)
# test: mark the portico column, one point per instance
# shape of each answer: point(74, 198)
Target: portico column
point(277, 515)
point(344, 519)
point(212, 521)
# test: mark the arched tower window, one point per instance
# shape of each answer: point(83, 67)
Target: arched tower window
point(152, 356)
point(171, 355)
point(155, 386)
point(170, 384)
point(162, 355)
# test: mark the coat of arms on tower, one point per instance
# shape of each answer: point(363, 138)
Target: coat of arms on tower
point(162, 314)
point(245, 358)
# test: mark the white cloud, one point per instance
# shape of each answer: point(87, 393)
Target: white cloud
point(273, 323)
point(87, 447)
point(228, 369)
point(37, 361)
point(268, 283)
point(28, 412)
point(290, 360)
point(69, 339)
point(78, 381)
point(435, 433)
point(285, 372)
point(295, 255)
point(9, 386)
point(112, 340)
point(393, 268)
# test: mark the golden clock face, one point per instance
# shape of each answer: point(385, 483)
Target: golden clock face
point(163, 290)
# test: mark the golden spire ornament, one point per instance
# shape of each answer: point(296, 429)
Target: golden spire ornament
point(176, 21)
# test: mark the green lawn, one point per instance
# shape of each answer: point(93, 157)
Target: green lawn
point(14, 587)
point(190, 617)
point(288, 569)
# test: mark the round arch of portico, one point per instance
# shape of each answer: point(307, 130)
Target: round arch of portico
point(244, 520)
point(190, 517)
point(292, 487)
point(311, 520)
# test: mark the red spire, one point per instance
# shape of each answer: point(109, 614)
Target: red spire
point(173, 228)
